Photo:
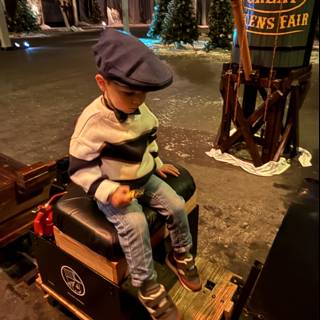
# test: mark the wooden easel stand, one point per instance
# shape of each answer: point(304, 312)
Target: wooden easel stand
point(276, 117)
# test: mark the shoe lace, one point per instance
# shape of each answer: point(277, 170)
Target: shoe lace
point(158, 303)
point(187, 266)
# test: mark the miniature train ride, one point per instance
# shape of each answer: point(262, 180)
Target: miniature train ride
point(80, 263)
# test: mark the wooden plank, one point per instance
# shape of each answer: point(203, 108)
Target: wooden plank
point(15, 228)
point(270, 123)
point(263, 93)
point(80, 314)
point(8, 173)
point(271, 106)
point(300, 73)
point(239, 19)
point(8, 162)
point(222, 300)
point(283, 142)
point(22, 187)
point(279, 112)
point(275, 113)
point(35, 174)
point(191, 203)
point(114, 271)
point(228, 310)
point(253, 119)
point(242, 123)
point(297, 97)
point(7, 197)
point(207, 303)
point(12, 208)
point(249, 99)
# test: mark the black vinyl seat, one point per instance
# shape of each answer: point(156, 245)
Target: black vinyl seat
point(77, 215)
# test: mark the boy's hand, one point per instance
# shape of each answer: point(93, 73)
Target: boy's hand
point(168, 169)
point(121, 197)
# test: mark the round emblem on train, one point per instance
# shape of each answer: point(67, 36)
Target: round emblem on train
point(72, 280)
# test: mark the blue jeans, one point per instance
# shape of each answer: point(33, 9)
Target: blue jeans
point(133, 232)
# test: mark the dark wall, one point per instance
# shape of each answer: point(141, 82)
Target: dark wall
point(11, 7)
point(52, 14)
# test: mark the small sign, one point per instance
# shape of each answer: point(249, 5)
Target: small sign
point(280, 32)
point(77, 284)
point(277, 17)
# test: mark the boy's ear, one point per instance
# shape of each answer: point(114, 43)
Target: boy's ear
point(101, 82)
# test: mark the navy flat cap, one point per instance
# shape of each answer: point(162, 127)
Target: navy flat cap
point(124, 58)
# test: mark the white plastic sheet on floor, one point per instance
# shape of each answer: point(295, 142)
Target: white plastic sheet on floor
point(305, 157)
point(268, 169)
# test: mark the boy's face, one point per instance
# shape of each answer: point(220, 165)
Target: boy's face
point(121, 96)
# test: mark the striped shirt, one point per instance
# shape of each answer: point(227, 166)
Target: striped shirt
point(105, 152)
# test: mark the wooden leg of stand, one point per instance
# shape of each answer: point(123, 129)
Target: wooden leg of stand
point(224, 130)
point(268, 134)
point(249, 100)
point(263, 93)
point(295, 129)
point(254, 121)
point(271, 105)
point(297, 97)
point(279, 112)
point(248, 137)
point(283, 142)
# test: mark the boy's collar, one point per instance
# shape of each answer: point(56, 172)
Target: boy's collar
point(120, 115)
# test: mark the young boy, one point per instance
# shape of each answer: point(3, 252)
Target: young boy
point(113, 151)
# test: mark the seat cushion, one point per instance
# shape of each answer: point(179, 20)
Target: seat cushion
point(77, 215)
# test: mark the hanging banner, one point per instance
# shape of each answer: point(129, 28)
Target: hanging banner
point(287, 25)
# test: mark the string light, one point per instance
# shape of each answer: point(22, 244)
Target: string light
point(24, 44)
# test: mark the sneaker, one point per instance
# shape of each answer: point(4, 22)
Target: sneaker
point(158, 302)
point(186, 270)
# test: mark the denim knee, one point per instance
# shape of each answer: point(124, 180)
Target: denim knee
point(136, 226)
point(177, 206)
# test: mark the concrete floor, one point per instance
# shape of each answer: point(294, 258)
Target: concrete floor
point(44, 89)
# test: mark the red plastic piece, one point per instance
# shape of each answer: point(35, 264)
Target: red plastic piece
point(43, 222)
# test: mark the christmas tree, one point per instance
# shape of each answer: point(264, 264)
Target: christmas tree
point(159, 13)
point(179, 24)
point(220, 25)
point(24, 20)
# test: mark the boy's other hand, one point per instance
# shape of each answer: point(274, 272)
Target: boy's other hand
point(121, 197)
point(168, 169)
